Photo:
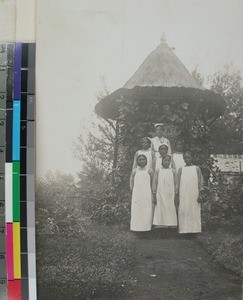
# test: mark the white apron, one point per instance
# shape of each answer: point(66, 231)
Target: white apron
point(189, 213)
point(141, 207)
point(165, 211)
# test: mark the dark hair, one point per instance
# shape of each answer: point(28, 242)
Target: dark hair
point(147, 139)
point(177, 141)
point(143, 156)
point(188, 152)
point(166, 156)
point(164, 145)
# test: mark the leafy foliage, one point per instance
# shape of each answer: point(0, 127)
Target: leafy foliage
point(223, 199)
point(77, 259)
point(96, 153)
point(227, 131)
point(192, 128)
point(225, 246)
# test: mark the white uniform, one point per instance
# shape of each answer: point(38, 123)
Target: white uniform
point(164, 184)
point(141, 207)
point(156, 142)
point(189, 213)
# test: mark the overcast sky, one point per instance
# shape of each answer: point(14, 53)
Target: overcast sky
point(79, 41)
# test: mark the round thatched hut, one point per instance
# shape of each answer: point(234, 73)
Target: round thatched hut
point(162, 90)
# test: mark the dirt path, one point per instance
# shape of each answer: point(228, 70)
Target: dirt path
point(181, 270)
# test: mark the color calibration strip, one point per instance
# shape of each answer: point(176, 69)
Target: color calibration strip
point(17, 169)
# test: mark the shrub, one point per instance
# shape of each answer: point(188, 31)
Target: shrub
point(226, 247)
point(222, 199)
point(77, 259)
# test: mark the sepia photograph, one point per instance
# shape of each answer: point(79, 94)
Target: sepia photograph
point(139, 149)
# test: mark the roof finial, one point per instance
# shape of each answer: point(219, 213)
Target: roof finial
point(163, 38)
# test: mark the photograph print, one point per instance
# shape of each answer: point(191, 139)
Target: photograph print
point(139, 149)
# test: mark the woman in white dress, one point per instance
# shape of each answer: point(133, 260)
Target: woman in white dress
point(164, 189)
point(141, 206)
point(177, 157)
point(147, 151)
point(163, 152)
point(159, 139)
point(190, 187)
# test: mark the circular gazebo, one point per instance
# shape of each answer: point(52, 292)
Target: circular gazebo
point(162, 90)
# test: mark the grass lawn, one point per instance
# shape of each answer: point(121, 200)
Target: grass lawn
point(94, 262)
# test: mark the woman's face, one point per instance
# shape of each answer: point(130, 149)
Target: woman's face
point(179, 146)
point(163, 150)
point(166, 162)
point(188, 159)
point(142, 161)
point(159, 131)
point(145, 144)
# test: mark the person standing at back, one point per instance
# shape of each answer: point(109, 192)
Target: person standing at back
point(190, 196)
point(159, 139)
point(147, 151)
point(177, 157)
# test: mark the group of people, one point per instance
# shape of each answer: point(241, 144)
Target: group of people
point(166, 187)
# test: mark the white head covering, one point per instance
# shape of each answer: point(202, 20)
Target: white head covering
point(164, 144)
point(158, 124)
point(146, 137)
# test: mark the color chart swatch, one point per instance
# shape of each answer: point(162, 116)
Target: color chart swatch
point(17, 172)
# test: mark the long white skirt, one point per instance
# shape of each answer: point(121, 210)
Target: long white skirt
point(165, 211)
point(141, 207)
point(189, 209)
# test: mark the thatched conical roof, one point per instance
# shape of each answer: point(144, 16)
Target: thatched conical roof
point(162, 68)
point(162, 77)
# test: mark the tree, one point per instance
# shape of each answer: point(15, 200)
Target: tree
point(97, 148)
point(227, 130)
point(96, 153)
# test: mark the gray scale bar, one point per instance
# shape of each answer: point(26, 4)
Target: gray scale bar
point(24, 265)
point(2, 187)
point(2, 133)
point(2, 106)
point(30, 214)
point(32, 265)
point(10, 79)
point(30, 161)
point(30, 134)
point(30, 186)
point(2, 266)
point(2, 207)
point(2, 160)
point(2, 240)
point(3, 79)
point(31, 69)
point(3, 54)
point(3, 288)
point(10, 54)
point(30, 107)
point(2, 221)
point(31, 241)
point(25, 288)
